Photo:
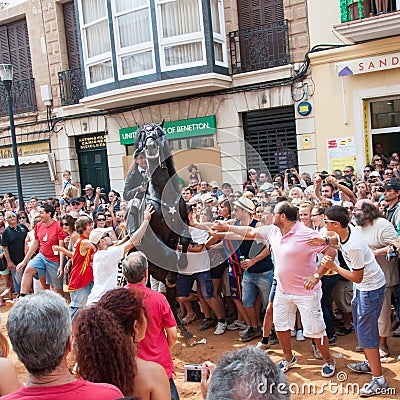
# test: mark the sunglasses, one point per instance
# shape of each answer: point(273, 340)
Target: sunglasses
point(315, 215)
point(64, 224)
point(329, 220)
point(378, 159)
point(21, 217)
point(75, 203)
point(101, 219)
point(107, 215)
point(105, 235)
point(367, 170)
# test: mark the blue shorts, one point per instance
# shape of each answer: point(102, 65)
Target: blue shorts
point(43, 266)
point(235, 287)
point(79, 298)
point(367, 306)
point(253, 283)
point(273, 290)
point(185, 283)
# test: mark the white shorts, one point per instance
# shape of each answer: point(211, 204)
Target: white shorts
point(284, 313)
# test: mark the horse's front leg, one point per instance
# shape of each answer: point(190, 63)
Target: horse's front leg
point(184, 241)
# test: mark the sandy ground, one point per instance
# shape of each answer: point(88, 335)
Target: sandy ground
point(306, 372)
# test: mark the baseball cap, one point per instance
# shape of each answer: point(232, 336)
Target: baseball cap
point(226, 184)
point(245, 203)
point(252, 171)
point(77, 199)
point(392, 185)
point(97, 234)
point(214, 184)
point(374, 173)
point(88, 187)
point(207, 198)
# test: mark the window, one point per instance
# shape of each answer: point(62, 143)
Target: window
point(385, 114)
point(181, 34)
point(133, 37)
point(96, 42)
point(141, 31)
point(217, 19)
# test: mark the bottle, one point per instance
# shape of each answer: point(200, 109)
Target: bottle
point(242, 258)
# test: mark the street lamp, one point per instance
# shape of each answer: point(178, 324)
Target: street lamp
point(6, 77)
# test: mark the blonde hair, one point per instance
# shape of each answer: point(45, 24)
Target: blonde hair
point(70, 192)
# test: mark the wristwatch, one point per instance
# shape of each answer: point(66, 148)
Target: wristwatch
point(316, 276)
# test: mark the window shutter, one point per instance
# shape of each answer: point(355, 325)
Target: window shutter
point(4, 48)
point(71, 34)
point(253, 13)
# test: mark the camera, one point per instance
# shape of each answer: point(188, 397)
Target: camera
point(287, 171)
point(323, 176)
point(192, 373)
point(371, 180)
point(393, 254)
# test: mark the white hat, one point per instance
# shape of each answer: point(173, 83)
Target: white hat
point(88, 187)
point(374, 173)
point(97, 234)
point(214, 184)
point(245, 203)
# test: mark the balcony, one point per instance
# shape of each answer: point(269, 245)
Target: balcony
point(364, 20)
point(23, 96)
point(259, 48)
point(71, 86)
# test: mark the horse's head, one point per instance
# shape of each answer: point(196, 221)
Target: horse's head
point(150, 138)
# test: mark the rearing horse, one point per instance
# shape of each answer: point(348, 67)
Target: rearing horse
point(169, 224)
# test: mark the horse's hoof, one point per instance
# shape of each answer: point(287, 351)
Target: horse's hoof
point(187, 335)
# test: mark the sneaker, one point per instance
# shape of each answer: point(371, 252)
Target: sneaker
point(343, 331)
point(10, 303)
point(299, 336)
point(251, 333)
point(383, 351)
point(207, 323)
point(262, 346)
point(332, 340)
point(292, 333)
point(284, 365)
point(237, 325)
point(360, 367)
point(188, 319)
point(373, 388)
point(244, 331)
point(316, 352)
point(220, 329)
point(328, 369)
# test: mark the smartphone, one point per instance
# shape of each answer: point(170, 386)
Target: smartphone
point(192, 373)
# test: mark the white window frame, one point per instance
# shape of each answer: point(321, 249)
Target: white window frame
point(221, 37)
point(134, 49)
point(197, 37)
point(89, 62)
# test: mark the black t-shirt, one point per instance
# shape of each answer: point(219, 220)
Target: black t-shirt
point(14, 239)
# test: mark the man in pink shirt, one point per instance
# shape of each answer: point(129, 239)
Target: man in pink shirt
point(298, 278)
point(161, 333)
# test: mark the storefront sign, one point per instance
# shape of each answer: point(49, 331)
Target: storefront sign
point(369, 64)
point(89, 142)
point(177, 129)
point(304, 108)
point(341, 153)
point(25, 149)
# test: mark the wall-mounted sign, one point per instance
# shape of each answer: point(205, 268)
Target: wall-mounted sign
point(341, 153)
point(26, 149)
point(89, 142)
point(368, 64)
point(177, 129)
point(304, 108)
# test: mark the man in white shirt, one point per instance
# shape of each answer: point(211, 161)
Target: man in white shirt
point(107, 257)
point(369, 286)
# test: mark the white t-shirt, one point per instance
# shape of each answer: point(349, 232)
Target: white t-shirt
point(197, 262)
point(105, 272)
point(358, 255)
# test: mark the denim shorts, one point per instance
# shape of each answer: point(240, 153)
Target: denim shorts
point(43, 266)
point(79, 298)
point(253, 283)
point(203, 279)
point(367, 306)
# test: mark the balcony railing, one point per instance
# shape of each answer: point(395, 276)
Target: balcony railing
point(23, 95)
point(260, 47)
point(71, 86)
point(352, 10)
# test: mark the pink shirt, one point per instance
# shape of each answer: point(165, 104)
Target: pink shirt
point(294, 258)
point(154, 346)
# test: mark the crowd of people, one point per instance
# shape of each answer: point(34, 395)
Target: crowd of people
point(289, 255)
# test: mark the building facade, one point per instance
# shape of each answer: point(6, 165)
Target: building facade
point(228, 77)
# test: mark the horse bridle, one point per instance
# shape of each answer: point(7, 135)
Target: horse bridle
point(148, 132)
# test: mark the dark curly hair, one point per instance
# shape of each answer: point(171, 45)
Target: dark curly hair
point(105, 351)
point(125, 304)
